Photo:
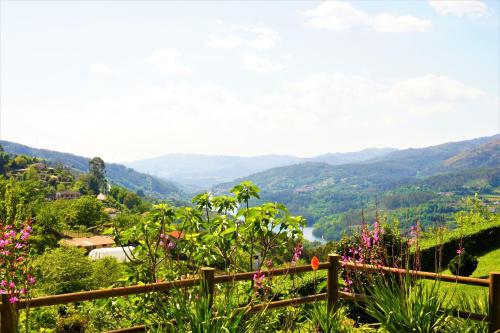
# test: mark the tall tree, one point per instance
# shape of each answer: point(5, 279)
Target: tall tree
point(97, 171)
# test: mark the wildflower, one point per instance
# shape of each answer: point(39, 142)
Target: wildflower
point(12, 285)
point(460, 250)
point(269, 263)
point(297, 252)
point(18, 246)
point(31, 280)
point(3, 283)
point(315, 263)
point(13, 299)
point(258, 279)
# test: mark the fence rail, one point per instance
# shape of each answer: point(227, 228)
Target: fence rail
point(9, 312)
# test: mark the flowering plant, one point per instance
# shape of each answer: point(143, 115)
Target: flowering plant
point(15, 277)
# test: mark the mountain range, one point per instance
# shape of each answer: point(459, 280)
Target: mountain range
point(198, 172)
point(325, 189)
point(407, 178)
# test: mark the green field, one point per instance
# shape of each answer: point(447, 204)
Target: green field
point(488, 262)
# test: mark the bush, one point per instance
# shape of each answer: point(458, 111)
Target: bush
point(463, 264)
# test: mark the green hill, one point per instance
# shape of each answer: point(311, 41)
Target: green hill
point(117, 173)
point(413, 178)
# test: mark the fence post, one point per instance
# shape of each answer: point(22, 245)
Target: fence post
point(9, 316)
point(494, 302)
point(207, 273)
point(333, 282)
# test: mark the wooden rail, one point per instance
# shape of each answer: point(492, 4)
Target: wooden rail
point(9, 312)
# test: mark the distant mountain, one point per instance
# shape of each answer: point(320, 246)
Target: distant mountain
point(485, 155)
point(352, 157)
point(319, 190)
point(431, 160)
point(117, 173)
point(202, 171)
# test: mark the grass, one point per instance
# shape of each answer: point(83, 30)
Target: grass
point(488, 262)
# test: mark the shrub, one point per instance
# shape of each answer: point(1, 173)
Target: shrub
point(408, 307)
point(463, 264)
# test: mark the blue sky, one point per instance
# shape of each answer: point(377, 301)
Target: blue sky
point(130, 80)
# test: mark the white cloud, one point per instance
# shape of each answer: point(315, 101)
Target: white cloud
point(335, 15)
point(432, 93)
point(459, 8)
point(339, 15)
point(392, 23)
point(168, 61)
point(255, 63)
point(315, 114)
point(102, 68)
point(262, 38)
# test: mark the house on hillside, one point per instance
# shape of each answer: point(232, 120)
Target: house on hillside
point(89, 243)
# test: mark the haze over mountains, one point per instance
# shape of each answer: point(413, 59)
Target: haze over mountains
point(196, 171)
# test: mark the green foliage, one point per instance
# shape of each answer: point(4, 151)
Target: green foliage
point(64, 270)
point(193, 313)
point(97, 176)
point(117, 174)
point(463, 264)
point(408, 307)
point(71, 323)
point(325, 321)
point(106, 272)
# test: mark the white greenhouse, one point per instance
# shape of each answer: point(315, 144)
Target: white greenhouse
point(115, 252)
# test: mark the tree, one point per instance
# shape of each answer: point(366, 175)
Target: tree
point(97, 171)
point(64, 270)
point(85, 211)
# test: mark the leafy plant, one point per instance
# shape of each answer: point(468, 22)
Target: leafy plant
point(193, 311)
point(406, 306)
point(324, 320)
point(463, 264)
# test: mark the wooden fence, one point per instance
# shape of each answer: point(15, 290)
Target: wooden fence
point(9, 312)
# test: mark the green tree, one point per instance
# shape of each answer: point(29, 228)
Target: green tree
point(97, 171)
point(64, 270)
point(85, 211)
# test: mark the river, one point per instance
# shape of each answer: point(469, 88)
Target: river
point(308, 234)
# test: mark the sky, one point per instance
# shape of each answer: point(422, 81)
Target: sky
point(127, 80)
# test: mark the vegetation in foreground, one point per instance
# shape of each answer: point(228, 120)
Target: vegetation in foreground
point(225, 232)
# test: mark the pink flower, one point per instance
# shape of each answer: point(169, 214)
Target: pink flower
point(13, 299)
point(297, 252)
point(459, 251)
point(12, 285)
point(18, 246)
point(3, 283)
point(31, 280)
point(258, 279)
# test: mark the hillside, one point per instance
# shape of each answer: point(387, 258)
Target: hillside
point(486, 155)
point(197, 171)
point(117, 173)
point(410, 178)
